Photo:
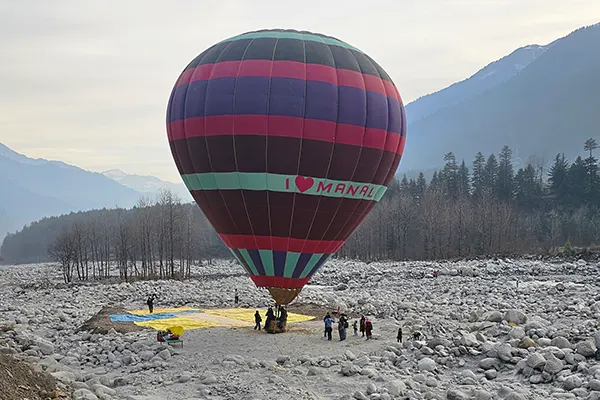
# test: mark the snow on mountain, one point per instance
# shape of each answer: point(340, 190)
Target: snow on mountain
point(148, 185)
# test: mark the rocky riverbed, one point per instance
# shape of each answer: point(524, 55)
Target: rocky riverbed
point(493, 329)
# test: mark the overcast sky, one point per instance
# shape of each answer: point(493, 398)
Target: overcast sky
point(87, 82)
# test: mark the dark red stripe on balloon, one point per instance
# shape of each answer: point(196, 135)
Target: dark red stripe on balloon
point(289, 69)
point(253, 215)
point(283, 155)
point(281, 244)
point(279, 281)
point(271, 125)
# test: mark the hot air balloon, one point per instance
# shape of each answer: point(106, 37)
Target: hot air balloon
point(286, 140)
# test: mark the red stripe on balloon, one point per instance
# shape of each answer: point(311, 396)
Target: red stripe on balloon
point(274, 125)
point(290, 69)
point(281, 244)
point(278, 281)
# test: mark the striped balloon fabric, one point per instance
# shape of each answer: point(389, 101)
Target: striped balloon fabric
point(286, 140)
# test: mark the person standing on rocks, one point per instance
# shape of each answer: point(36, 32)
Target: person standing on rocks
point(236, 299)
point(342, 326)
point(270, 316)
point(368, 328)
point(325, 329)
point(362, 325)
point(150, 303)
point(328, 326)
point(355, 327)
point(399, 337)
point(257, 320)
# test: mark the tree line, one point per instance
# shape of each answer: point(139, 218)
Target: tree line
point(487, 209)
point(156, 239)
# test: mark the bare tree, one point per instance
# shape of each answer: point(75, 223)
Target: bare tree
point(62, 251)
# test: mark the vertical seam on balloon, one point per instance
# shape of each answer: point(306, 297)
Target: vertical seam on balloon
point(332, 148)
point(300, 147)
point(206, 138)
point(234, 148)
point(187, 148)
point(361, 147)
point(402, 129)
point(369, 207)
point(402, 122)
point(267, 152)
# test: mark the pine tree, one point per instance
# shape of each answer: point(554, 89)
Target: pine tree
point(478, 179)
point(527, 188)
point(421, 185)
point(505, 182)
point(558, 180)
point(590, 145)
point(490, 175)
point(464, 187)
point(449, 175)
point(434, 184)
point(404, 186)
point(592, 187)
point(578, 181)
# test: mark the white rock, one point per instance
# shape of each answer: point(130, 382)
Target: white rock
point(84, 394)
point(427, 364)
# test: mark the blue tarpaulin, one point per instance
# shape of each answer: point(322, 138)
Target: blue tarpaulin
point(149, 317)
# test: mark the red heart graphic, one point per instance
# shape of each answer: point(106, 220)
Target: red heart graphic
point(304, 184)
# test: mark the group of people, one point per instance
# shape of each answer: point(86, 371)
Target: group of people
point(270, 316)
point(365, 326)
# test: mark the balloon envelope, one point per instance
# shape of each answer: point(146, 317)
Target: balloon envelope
point(286, 141)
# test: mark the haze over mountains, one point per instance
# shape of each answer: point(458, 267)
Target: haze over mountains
point(35, 188)
point(538, 99)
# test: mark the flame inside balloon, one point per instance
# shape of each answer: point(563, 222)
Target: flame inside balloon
point(286, 140)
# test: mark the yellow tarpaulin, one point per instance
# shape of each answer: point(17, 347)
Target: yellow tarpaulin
point(186, 323)
point(209, 318)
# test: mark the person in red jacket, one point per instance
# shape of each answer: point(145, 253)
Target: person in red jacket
point(368, 328)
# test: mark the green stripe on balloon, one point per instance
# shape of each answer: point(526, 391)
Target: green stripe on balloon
point(248, 260)
point(267, 259)
point(292, 35)
point(311, 263)
point(291, 261)
point(284, 183)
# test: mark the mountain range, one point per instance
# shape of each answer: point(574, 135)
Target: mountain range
point(35, 188)
point(538, 100)
point(148, 185)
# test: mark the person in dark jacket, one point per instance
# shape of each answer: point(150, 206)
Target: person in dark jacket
point(150, 303)
point(257, 320)
point(270, 316)
point(362, 325)
point(399, 337)
point(342, 326)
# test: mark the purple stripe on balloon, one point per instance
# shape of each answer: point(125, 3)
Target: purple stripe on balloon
point(286, 97)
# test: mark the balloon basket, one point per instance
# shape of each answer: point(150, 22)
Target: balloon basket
point(274, 328)
point(283, 296)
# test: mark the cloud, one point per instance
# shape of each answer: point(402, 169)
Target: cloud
point(88, 82)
